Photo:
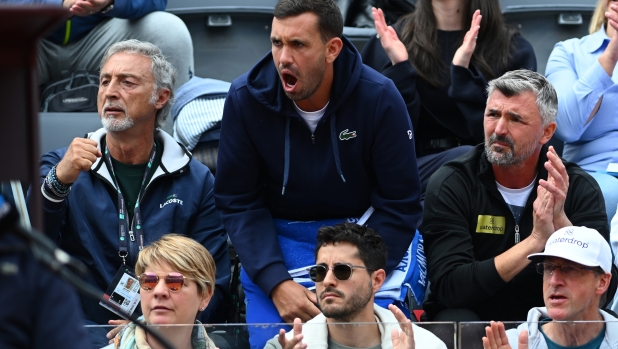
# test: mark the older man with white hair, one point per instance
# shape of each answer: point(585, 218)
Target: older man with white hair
point(125, 185)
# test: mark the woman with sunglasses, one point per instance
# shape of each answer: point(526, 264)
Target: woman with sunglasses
point(177, 277)
point(440, 58)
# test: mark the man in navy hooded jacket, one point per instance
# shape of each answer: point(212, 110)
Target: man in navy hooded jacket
point(310, 133)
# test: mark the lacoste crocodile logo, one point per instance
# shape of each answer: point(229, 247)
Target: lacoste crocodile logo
point(345, 135)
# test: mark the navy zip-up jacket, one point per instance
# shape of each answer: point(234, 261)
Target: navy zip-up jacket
point(271, 165)
point(178, 199)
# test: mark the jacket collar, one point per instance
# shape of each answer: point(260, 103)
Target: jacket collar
point(595, 41)
point(175, 157)
point(538, 313)
point(486, 173)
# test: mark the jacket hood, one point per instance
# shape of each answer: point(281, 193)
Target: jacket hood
point(264, 83)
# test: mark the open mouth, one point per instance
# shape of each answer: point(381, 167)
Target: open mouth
point(289, 81)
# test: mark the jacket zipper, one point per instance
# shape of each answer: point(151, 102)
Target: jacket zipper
point(517, 233)
point(131, 234)
point(312, 138)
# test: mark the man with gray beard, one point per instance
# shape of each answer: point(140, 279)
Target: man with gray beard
point(125, 185)
point(486, 211)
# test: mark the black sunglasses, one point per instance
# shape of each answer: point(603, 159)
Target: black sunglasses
point(342, 271)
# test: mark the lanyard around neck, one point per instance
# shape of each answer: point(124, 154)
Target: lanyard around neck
point(123, 216)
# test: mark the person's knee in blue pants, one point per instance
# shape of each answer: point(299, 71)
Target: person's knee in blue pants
point(260, 310)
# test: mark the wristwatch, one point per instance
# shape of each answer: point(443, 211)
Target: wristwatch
point(107, 8)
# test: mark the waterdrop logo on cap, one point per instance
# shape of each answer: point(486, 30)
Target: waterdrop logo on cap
point(578, 244)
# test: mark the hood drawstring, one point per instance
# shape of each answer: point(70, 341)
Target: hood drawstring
point(333, 138)
point(286, 163)
point(286, 149)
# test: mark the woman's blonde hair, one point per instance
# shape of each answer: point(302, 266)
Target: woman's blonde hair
point(185, 255)
point(598, 17)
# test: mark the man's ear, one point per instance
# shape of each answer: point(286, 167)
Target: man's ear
point(333, 48)
point(163, 95)
point(548, 132)
point(377, 279)
point(603, 284)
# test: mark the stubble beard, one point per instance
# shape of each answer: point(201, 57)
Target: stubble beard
point(353, 304)
point(510, 157)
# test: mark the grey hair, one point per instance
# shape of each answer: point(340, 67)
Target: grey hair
point(516, 82)
point(163, 71)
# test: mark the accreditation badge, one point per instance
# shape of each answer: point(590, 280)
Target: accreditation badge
point(123, 292)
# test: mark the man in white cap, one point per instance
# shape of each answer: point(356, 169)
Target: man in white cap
point(576, 267)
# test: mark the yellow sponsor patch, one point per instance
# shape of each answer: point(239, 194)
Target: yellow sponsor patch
point(491, 224)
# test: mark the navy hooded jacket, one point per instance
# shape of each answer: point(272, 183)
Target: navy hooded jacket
point(270, 164)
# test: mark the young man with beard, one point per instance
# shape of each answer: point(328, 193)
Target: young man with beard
point(350, 269)
point(576, 268)
point(486, 211)
point(108, 195)
point(310, 134)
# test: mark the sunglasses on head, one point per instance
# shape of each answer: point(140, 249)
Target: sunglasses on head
point(342, 271)
point(173, 281)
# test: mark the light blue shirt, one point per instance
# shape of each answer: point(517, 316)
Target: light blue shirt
point(580, 81)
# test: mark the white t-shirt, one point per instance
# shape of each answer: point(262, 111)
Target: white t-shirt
point(516, 198)
point(311, 117)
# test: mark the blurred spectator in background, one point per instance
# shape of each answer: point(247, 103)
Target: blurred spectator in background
point(440, 57)
point(39, 310)
point(584, 73)
point(80, 42)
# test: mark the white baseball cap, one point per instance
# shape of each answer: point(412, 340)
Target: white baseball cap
point(578, 244)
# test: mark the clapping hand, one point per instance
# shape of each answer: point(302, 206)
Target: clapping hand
point(610, 56)
point(394, 48)
point(463, 55)
point(557, 184)
point(296, 341)
point(405, 338)
point(496, 337)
